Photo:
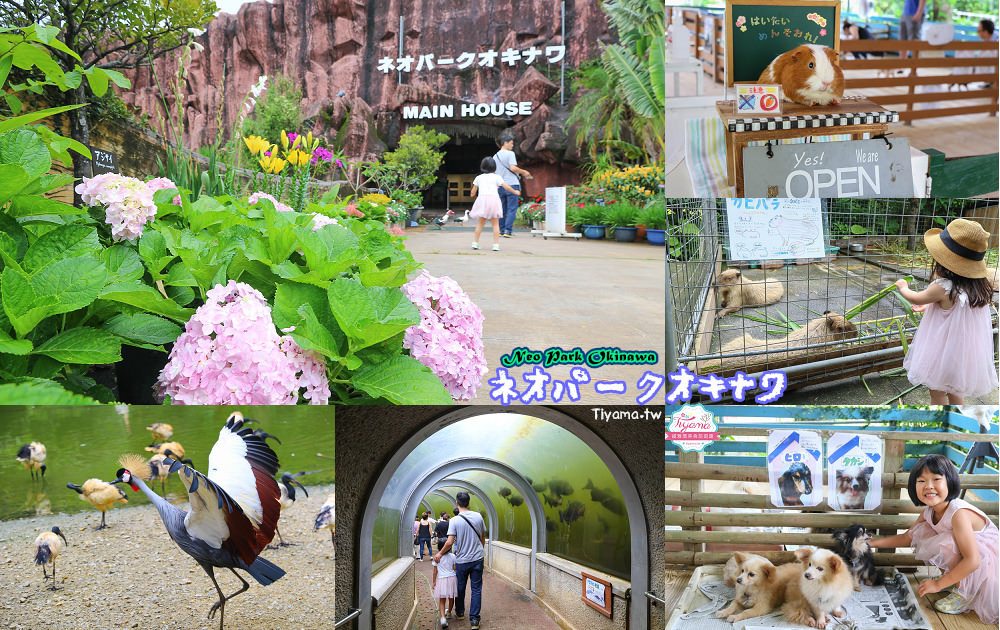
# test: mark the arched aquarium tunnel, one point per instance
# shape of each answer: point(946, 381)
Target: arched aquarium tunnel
point(566, 501)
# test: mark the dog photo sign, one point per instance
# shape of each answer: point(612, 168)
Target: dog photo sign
point(854, 471)
point(795, 467)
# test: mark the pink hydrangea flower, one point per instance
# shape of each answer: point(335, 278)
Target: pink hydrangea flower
point(449, 337)
point(162, 183)
point(231, 354)
point(321, 220)
point(352, 211)
point(396, 230)
point(128, 203)
point(257, 196)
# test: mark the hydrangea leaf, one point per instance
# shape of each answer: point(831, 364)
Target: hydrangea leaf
point(13, 179)
point(24, 147)
point(368, 315)
point(147, 299)
point(66, 241)
point(123, 263)
point(306, 308)
point(401, 380)
point(143, 328)
point(40, 392)
point(83, 345)
point(63, 286)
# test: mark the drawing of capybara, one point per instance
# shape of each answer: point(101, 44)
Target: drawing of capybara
point(830, 327)
point(736, 292)
point(802, 231)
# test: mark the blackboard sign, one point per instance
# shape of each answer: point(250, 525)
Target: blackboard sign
point(103, 162)
point(757, 31)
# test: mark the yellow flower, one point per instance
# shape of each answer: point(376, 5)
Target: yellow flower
point(256, 144)
point(272, 164)
point(297, 157)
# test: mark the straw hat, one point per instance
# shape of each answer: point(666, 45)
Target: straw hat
point(960, 247)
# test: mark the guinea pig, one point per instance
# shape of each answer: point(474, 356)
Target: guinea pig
point(808, 75)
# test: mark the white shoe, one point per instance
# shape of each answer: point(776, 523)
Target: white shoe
point(475, 245)
point(444, 622)
point(496, 247)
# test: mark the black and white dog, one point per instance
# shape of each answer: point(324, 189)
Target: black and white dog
point(851, 544)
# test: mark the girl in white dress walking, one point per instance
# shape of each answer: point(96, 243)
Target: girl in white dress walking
point(485, 188)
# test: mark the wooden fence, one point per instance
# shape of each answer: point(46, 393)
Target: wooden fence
point(895, 513)
point(963, 74)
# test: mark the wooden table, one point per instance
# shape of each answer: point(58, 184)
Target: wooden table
point(854, 115)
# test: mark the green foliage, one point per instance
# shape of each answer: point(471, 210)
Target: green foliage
point(591, 215)
point(337, 286)
point(653, 216)
point(279, 110)
point(620, 214)
point(413, 165)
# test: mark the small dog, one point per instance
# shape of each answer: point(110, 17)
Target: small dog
point(851, 544)
point(852, 487)
point(822, 586)
point(760, 586)
point(795, 482)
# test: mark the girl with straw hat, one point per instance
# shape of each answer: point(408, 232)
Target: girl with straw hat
point(952, 351)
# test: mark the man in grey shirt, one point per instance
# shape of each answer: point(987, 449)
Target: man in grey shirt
point(508, 169)
point(467, 536)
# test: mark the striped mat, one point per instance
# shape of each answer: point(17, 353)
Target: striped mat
point(705, 153)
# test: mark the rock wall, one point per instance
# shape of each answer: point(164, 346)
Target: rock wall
point(332, 47)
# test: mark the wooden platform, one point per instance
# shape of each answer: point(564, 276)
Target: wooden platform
point(677, 579)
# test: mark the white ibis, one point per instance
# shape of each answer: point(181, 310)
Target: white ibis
point(32, 457)
point(287, 488)
point(47, 547)
point(326, 519)
point(234, 510)
point(101, 494)
point(161, 431)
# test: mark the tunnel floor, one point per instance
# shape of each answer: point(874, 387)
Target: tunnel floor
point(504, 606)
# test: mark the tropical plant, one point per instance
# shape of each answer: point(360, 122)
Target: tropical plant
point(620, 214)
point(591, 215)
point(600, 119)
point(141, 31)
point(413, 165)
point(653, 217)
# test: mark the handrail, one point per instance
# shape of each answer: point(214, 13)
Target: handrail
point(652, 596)
point(354, 613)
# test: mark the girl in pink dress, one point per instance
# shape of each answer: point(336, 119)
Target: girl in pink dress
point(445, 585)
point(487, 205)
point(955, 537)
point(952, 351)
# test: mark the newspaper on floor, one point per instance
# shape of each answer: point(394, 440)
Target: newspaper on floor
point(892, 605)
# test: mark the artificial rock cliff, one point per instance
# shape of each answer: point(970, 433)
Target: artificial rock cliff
point(333, 48)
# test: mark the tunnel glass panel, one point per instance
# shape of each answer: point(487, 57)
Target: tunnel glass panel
point(584, 509)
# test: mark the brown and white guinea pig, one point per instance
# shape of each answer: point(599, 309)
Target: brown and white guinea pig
point(808, 75)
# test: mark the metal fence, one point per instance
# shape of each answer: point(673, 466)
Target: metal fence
point(869, 244)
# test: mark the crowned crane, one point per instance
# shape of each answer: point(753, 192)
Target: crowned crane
point(287, 488)
point(326, 519)
point(47, 547)
point(233, 510)
point(32, 457)
point(101, 494)
point(161, 431)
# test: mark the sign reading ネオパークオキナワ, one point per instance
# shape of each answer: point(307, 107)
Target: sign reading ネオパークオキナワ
point(485, 59)
point(856, 168)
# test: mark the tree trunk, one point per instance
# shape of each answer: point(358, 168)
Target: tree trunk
point(79, 126)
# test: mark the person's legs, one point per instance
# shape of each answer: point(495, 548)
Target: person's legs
point(508, 201)
point(426, 541)
point(954, 399)
point(496, 232)
point(461, 574)
point(938, 398)
point(479, 230)
point(475, 603)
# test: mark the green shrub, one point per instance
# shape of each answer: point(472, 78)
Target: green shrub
point(279, 110)
point(653, 217)
point(621, 214)
point(591, 215)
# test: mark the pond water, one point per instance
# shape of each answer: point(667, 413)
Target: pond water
point(85, 442)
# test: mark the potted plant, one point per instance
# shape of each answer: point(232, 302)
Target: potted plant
point(412, 167)
point(572, 218)
point(621, 216)
point(592, 219)
point(654, 217)
point(533, 213)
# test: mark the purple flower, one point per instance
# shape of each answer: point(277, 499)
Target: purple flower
point(321, 155)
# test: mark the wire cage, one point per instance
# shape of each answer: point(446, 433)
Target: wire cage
point(818, 318)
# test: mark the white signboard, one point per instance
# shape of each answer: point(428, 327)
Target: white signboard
point(794, 468)
point(595, 592)
point(854, 471)
point(775, 228)
point(555, 210)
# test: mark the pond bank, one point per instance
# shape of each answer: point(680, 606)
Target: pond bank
point(131, 575)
